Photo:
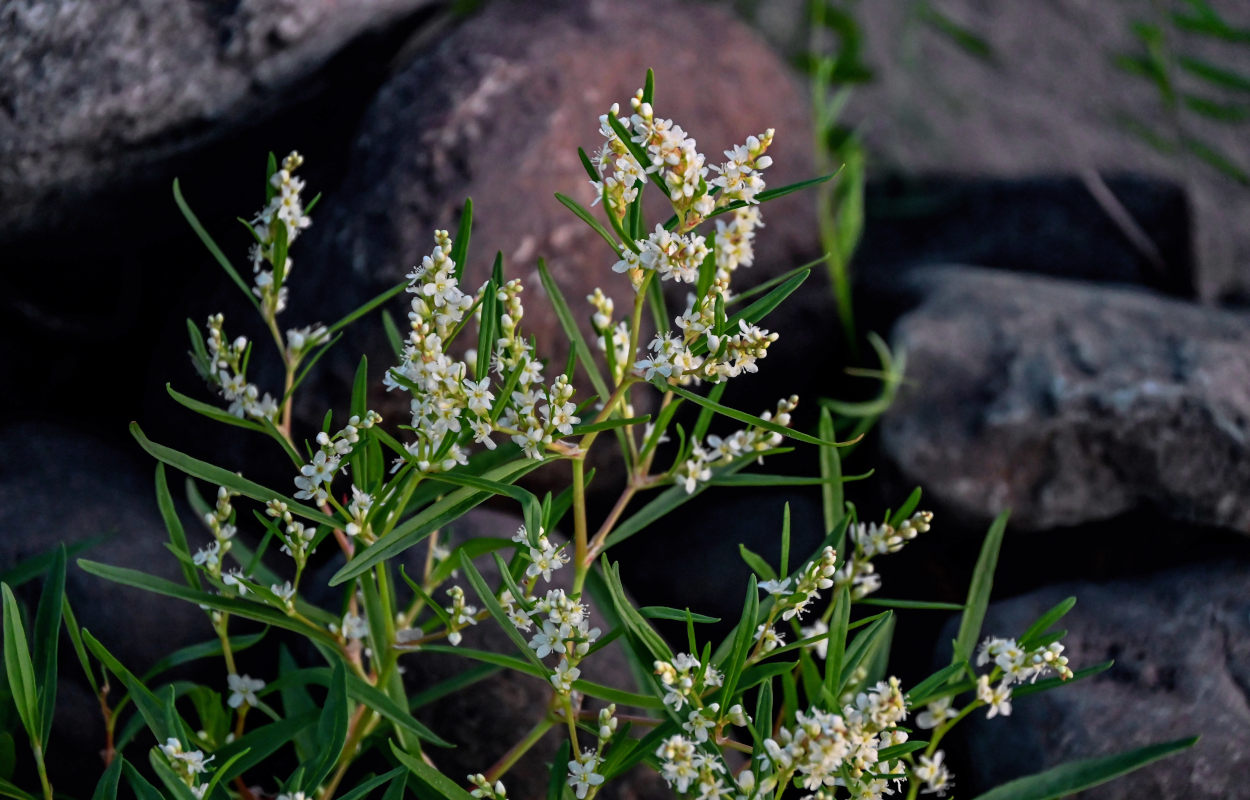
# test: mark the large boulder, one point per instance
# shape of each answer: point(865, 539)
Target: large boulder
point(97, 96)
point(1181, 645)
point(1071, 403)
point(496, 111)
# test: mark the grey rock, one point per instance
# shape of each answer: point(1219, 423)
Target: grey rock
point(1071, 403)
point(97, 95)
point(61, 485)
point(1181, 645)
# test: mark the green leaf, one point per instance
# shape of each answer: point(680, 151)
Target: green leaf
point(139, 785)
point(18, 667)
point(864, 646)
point(331, 729)
point(587, 165)
point(281, 248)
point(257, 745)
point(957, 34)
point(664, 612)
point(240, 607)
point(924, 605)
point(1039, 628)
point(1077, 776)
point(432, 779)
point(461, 680)
point(177, 536)
point(487, 657)
point(1214, 74)
point(47, 633)
point(743, 639)
point(757, 311)
point(369, 305)
point(8, 789)
point(106, 788)
point(1216, 159)
point(831, 493)
point(368, 786)
point(1045, 685)
point(637, 152)
point(609, 424)
point(460, 245)
point(27, 570)
point(392, 334)
point(619, 696)
point(194, 222)
point(742, 416)
point(153, 710)
point(760, 479)
point(757, 563)
point(208, 472)
point(571, 330)
point(415, 530)
point(922, 693)
point(630, 618)
point(531, 508)
point(588, 218)
point(979, 590)
point(559, 772)
point(487, 596)
point(75, 638)
point(905, 510)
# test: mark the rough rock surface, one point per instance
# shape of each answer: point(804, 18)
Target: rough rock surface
point(60, 485)
point(97, 94)
point(1181, 645)
point(1071, 403)
point(485, 719)
point(496, 112)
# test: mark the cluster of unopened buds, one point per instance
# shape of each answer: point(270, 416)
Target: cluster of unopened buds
point(314, 479)
point(871, 540)
point(717, 451)
point(227, 366)
point(285, 208)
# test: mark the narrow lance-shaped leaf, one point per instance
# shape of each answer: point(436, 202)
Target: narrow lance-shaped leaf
point(979, 590)
point(194, 222)
point(569, 325)
point(47, 633)
point(460, 245)
point(1076, 776)
point(331, 729)
point(750, 419)
point(18, 667)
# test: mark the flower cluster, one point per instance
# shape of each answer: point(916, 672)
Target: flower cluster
point(445, 400)
point(314, 479)
point(824, 749)
point(685, 680)
point(220, 522)
point(796, 592)
point(871, 540)
point(708, 347)
point(187, 764)
point(719, 451)
point(227, 369)
point(282, 217)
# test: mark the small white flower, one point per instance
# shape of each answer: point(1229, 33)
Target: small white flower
point(582, 773)
point(243, 689)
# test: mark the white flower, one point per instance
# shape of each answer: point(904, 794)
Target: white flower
point(936, 713)
point(582, 773)
point(243, 689)
point(934, 773)
point(998, 698)
point(817, 628)
point(564, 677)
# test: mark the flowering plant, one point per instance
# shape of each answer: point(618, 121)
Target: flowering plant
point(796, 699)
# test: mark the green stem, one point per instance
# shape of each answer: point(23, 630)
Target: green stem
point(519, 749)
point(43, 771)
point(579, 525)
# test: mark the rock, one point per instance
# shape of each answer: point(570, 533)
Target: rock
point(97, 96)
point(497, 111)
point(933, 106)
point(1050, 225)
point(1071, 403)
point(61, 485)
point(1181, 645)
point(484, 720)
